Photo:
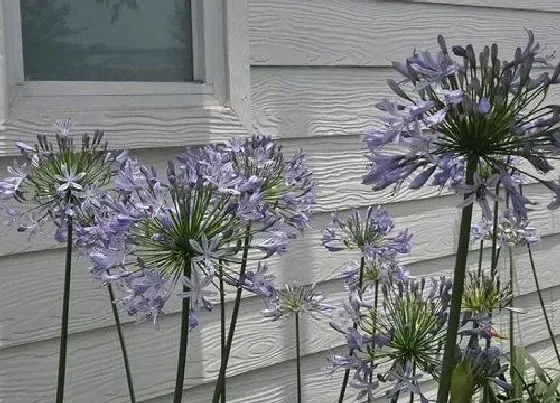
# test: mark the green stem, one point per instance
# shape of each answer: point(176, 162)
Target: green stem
point(411, 399)
point(184, 338)
point(233, 322)
point(222, 329)
point(65, 312)
point(355, 326)
point(510, 327)
point(494, 257)
point(298, 360)
point(122, 344)
point(480, 255)
point(448, 363)
point(543, 307)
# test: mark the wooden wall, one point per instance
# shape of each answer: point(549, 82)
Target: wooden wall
point(317, 69)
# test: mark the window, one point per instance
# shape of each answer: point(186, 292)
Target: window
point(148, 84)
point(58, 56)
point(107, 40)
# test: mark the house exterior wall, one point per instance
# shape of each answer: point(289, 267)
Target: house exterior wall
point(312, 72)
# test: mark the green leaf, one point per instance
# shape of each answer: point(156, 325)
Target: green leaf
point(539, 372)
point(549, 395)
point(518, 363)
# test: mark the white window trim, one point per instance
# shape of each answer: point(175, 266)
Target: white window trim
point(207, 17)
point(221, 80)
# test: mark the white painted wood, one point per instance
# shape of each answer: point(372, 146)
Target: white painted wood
point(136, 128)
point(322, 109)
point(93, 367)
point(275, 384)
point(519, 5)
point(4, 77)
point(14, 56)
point(320, 102)
point(197, 40)
point(237, 69)
point(213, 15)
point(431, 221)
point(374, 33)
point(115, 88)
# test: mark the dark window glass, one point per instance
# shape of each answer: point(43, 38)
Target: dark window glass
point(107, 40)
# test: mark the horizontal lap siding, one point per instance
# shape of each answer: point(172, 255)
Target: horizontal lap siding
point(318, 69)
point(432, 221)
point(519, 5)
point(374, 33)
point(275, 384)
point(324, 110)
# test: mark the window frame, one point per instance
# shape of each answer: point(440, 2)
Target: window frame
point(209, 68)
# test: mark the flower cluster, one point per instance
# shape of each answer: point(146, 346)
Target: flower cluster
point(511, 231)
point(406, 330)
point(458, 119)
point(57, 181)
point(157, 232)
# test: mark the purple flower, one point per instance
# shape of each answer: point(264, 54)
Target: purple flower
point(368, 233)
point(207, 251)
point(405, 381)
point(197, 292)
point(443, 119)
point(484, 105)
point(481, 191)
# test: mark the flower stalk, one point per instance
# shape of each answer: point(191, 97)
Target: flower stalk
point(65, 312)
point(184, 338)
point(448, 363)
point(225, 358)
point(298, 359)
point(355, 326)
point(222, 327)
point(541, 302)
point(122, 344)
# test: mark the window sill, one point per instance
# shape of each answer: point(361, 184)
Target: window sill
point(118, 88)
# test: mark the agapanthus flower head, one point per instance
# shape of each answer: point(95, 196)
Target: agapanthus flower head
point(58, 179)
point(414, 320)
point(405, 381)
point(293, 299)
point(482, 295)
point(368, 233)
point(177, 226)
point(458, 116)
point(484, 365)
point(511, 231)
point(277, 190)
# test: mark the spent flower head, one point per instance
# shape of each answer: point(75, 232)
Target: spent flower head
point(482, 295)
point(414, 320)
point(457, 116)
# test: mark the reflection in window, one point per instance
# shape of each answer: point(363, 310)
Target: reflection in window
point(107, 40)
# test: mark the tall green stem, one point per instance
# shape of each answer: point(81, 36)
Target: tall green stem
point(480, 256)
point(448, 363)
point(233, 322)
point(65, 312)
point(222, 329)
point(298, 359)
point(122, 344)
point(543, 307)
point(184, 338)
point(347, 372)
point(411, 399)
point(510, 327)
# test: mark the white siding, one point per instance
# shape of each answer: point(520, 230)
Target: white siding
point(317, 69)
